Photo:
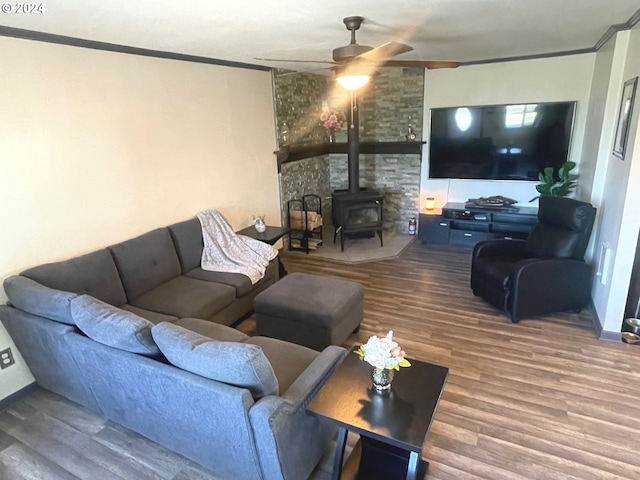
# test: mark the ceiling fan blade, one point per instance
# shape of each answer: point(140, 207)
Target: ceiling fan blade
point(381, 53)
point(430, 64)
point(293, 61)
point(297, 72)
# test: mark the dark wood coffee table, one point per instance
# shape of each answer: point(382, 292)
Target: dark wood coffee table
point(392, 426)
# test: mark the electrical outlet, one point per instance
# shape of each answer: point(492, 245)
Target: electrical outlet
point(6, 358)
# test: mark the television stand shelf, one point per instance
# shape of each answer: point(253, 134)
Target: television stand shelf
point(460, 225)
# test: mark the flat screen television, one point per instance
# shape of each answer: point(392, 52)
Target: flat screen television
point(499, 142)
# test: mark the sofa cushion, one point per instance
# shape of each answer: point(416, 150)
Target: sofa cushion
point(212, 330)
point(153, 317)
point(240, 364)
point(187, 238)
point(93, 274)
point(288, 360)
point(240, 282)
point(32, 297)
point(146, 261)
point(112, 326)
point(187, 297)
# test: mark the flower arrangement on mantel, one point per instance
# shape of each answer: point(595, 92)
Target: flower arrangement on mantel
point(331, 119)
point(383, 353)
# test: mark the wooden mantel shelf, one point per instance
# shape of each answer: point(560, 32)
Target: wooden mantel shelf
point(298, 152)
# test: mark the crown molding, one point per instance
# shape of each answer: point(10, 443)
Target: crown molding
point(113, 47)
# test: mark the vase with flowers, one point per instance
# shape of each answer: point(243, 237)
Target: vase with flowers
point(332, 120)
point(385, 356)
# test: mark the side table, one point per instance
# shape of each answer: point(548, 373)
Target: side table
point(271, 235)
point(392, 425)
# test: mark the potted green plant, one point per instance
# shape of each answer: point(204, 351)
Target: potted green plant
point(560, 188)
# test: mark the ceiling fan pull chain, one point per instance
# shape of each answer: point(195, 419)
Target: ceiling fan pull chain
point(353, 111)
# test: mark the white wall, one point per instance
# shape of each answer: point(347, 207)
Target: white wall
point(619, 208)
point(595, 81)
point(532, 81)
point(98, 147)
point(600, 122)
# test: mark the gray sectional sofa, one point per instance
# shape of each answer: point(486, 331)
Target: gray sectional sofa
point(139, 333)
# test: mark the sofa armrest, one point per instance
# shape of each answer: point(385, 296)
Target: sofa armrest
point(305, 387)
point(290, 441)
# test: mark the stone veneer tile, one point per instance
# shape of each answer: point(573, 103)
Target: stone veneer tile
point(393, 98)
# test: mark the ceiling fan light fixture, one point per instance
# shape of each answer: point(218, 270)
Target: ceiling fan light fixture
point(353, 81)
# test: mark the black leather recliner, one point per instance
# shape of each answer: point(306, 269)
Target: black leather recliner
point(543, 274)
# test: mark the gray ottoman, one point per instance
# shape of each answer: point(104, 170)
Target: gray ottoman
point(310, 310)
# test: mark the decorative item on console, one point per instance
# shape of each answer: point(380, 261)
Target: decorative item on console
point(258, 222)
point(496, 201)
point(411, 133)
point(385, 356)
point(430, 203)
point(284, 135)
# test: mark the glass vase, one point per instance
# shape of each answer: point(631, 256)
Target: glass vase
point(332, 135)
point(259, 224)
point(382, 379)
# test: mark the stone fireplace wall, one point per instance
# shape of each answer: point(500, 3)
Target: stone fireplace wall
point(298, 103)
point(393, 99)
point(307, 176)
point(397, 177)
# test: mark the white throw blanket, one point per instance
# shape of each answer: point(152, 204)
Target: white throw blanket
point(226, 251)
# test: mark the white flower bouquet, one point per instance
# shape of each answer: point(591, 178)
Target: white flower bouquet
point(383, 353)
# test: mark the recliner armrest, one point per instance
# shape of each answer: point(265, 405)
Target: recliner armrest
point(489, 248)
point(533, 269)
point(540, 285)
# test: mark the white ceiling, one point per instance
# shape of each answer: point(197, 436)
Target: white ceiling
point(240, 30)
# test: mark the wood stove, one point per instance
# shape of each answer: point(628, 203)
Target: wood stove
point(356, 215)
point(356, 212)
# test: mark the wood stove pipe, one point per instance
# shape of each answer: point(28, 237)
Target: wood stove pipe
point(353, 138)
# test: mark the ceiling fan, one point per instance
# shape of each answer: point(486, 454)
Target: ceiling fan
point(356, 54)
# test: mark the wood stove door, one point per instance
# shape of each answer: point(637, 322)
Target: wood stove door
point(362, 217)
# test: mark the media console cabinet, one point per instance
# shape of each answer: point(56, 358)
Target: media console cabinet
point(459, 225)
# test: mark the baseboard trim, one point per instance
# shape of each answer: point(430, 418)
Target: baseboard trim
point(20, 394)
point(610, 336)
point(604, 335)
point(597, 326)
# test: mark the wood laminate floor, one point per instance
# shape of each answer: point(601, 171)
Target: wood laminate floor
point(542, 399)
